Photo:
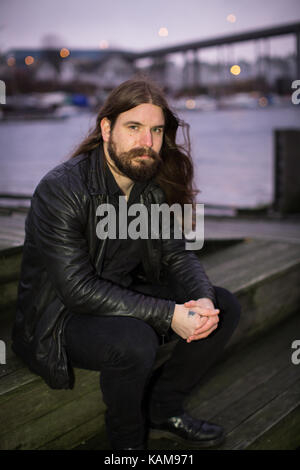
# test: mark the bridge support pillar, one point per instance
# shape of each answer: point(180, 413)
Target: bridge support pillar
point(196, 69)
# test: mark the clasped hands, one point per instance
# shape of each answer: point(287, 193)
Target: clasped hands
point(195, 319)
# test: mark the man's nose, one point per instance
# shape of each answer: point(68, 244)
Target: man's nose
point(146, 138)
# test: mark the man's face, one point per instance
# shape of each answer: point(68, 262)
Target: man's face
point(136, 140)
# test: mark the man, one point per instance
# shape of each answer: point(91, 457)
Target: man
point(105, 303)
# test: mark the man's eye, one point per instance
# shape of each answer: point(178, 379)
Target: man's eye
point(158, 130)
point(134, 128)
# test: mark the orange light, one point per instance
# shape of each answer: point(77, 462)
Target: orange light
point(231, 18)
point(263, 101)
point(235, 70)
point(64, 52)
point(163, 32)
point(29, 60)
point(11, 61)
point(190, 104)
point(104, 44)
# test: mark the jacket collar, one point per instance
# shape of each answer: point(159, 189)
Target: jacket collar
point(96, 175)
point(96, 179)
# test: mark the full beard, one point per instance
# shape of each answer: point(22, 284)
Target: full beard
point(137, 170)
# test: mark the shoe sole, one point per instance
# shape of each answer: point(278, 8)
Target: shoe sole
point(158, 433)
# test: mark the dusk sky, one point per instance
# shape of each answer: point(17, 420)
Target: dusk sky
point(135, 24)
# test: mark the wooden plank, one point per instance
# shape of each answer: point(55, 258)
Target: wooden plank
point(234, 416)
point(244, 360)
point(99, 441)
point(35, 399)
point(238, 386)
point(12, 251)
point(282, 436)
point(266, 304)
point(15, 235)
point(9, 292)
point(285, 229)
point(61, 420)
point(244, 369)
point(94, 429)
point(12, 222)
point(265, 418)
point(266, 284)
point(253, 260)
point(12, 230)
point(5, 244)
point(13, 364)
point(10, 265)
point(14, 381)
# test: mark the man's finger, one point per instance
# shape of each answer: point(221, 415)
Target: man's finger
point(196, 337)
point(206, 327)
point(205, 312)
point(195, 304)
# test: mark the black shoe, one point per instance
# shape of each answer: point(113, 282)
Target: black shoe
point(191, 432)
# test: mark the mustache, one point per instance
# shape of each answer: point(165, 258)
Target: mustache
point(138, 152)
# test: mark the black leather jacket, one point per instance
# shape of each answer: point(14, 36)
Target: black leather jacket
point(62, 262)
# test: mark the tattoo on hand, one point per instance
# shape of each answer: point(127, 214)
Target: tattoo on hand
point(191, 313)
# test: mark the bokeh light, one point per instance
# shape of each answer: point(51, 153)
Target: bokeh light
point(29, 60)
point(163, 32)
point(263, 102)
point(64, 52)
point(190, 104)
point(235, 70)
point(231, 18)
point(11, 61)
point(104, 44)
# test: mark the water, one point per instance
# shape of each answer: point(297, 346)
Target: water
point(233, 152)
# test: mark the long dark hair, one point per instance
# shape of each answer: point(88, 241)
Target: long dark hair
point(176, 172)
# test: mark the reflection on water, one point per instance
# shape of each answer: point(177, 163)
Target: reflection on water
point(232, 151)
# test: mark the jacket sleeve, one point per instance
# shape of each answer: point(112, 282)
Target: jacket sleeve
point(185, 269)
point(186, 272)
point(58, 214)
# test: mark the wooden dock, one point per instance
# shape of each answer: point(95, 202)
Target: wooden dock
point(254, 391)
point(12, 231)
point(216, 228)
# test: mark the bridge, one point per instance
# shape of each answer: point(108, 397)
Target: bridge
point(159, 55)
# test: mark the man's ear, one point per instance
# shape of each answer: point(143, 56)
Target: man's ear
point(105, 129)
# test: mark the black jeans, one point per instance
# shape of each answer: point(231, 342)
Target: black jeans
point(124, 350)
